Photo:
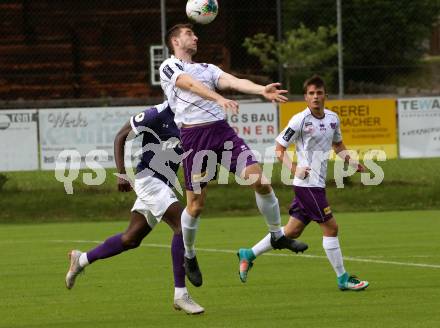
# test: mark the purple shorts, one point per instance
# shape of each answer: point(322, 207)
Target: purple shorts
point(310, 203)
point(212, 144)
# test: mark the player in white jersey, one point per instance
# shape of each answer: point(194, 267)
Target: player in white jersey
point(314, 131)
point(205, 134)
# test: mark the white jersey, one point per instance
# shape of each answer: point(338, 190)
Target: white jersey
point(189, 107)
point(313, 138)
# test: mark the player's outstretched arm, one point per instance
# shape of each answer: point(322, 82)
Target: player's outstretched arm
point(270, 92)
point(119, 144)
point(186, 82)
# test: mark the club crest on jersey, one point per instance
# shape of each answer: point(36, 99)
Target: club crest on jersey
point(333, 125)
point(288, 134)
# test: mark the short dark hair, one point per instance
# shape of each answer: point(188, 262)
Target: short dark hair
point(315, 80)
point(175, 31)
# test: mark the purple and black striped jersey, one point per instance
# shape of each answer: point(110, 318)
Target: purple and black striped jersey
point(161, 149)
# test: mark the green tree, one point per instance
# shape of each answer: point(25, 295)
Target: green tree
point(301, 52)
point(380, 36)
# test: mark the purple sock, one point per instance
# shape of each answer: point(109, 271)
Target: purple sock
point(177, 252)
point(111, 247)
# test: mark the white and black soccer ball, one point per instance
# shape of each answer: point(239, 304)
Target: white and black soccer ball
point(202, 11)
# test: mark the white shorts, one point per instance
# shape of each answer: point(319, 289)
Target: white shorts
point(153, 199)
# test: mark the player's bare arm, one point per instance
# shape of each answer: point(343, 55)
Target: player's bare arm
point(283, 157)
point(270, 91)
point(340, 150)
point(339, 147)
point(186, 82)
point(119, 144)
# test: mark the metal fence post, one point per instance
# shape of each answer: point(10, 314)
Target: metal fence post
point(340, 50)
point(279, 37)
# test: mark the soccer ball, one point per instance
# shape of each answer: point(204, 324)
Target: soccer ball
point(202, 11)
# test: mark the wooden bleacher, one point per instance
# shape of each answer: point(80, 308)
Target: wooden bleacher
point(88, 49)
point(11, 24)
point(36, 71)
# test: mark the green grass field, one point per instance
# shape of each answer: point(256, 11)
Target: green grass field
point(410, 184)
point(398, 252)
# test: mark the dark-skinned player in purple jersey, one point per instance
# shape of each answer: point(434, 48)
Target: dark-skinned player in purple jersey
point(156, 174)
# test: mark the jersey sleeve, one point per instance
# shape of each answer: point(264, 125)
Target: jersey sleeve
point(170, 70)
point(337, 136)
point(291, 132)
point(143, 120)
point(216, 73)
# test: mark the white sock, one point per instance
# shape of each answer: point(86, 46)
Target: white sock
point(270, 209)
point(189, 229)
point(179, 292)
point(83, 260)
point(264, 245)
point(334, 254)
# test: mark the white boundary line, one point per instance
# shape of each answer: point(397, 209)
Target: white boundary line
point(228, 251)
